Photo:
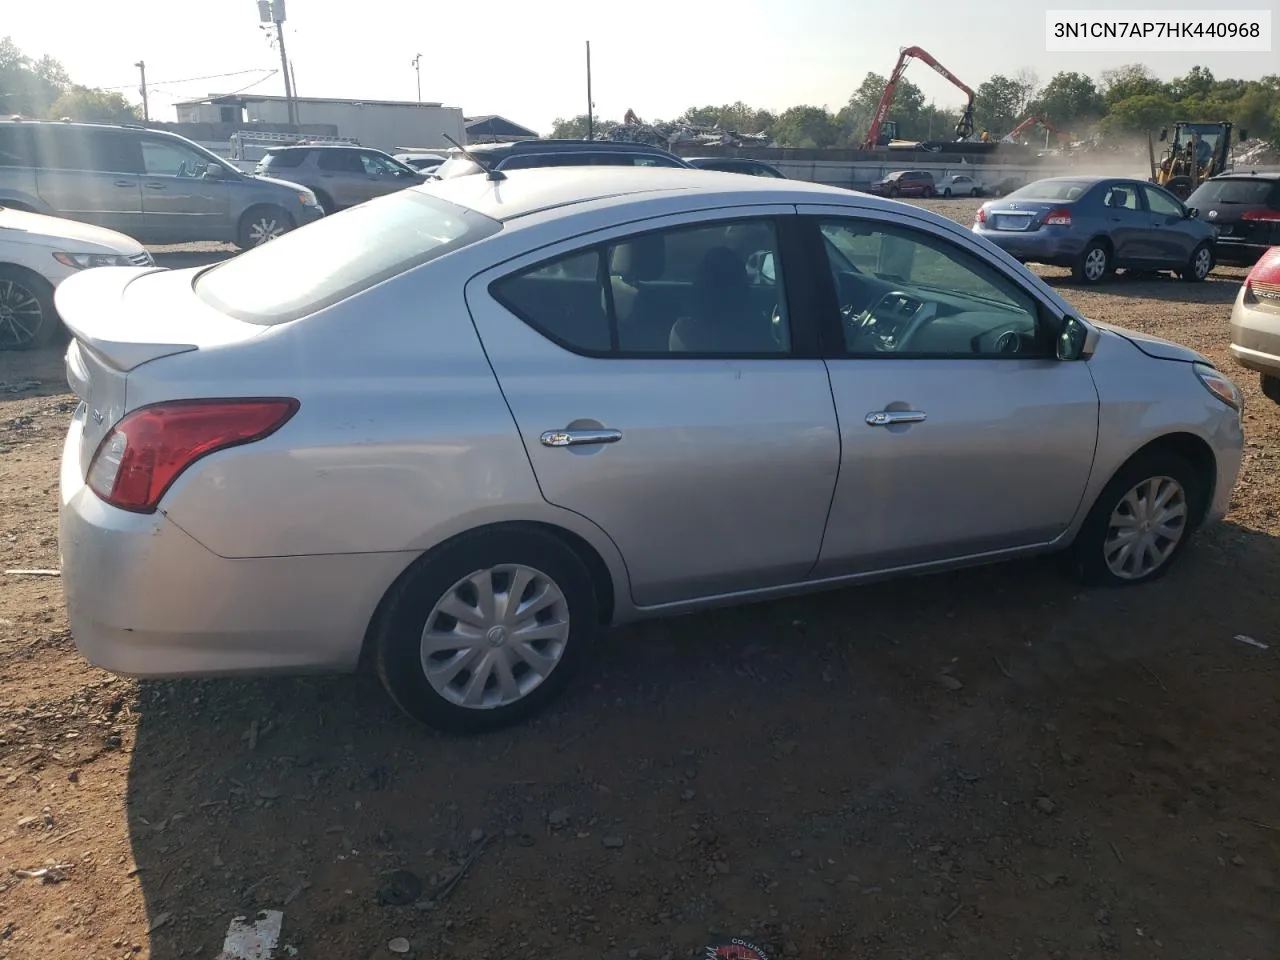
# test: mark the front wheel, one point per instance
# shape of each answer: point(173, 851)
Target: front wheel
point(1199, 265)
point(1094, 263)
point(946, 192)
point(486, 631)
point(27, 317)
point(262, 225)
point(1270, 387)
point(1140, 522)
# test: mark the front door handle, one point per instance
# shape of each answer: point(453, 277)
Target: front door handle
point(885, 418)
point(154, 186)
point(577, 438)
point(126, 183)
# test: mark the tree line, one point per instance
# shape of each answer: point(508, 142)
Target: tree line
point(1124, 103)
point(43, 89)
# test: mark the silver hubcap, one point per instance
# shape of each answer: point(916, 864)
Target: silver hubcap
point(1146, 527)
point(495, 636)
point(264, 229)
point(1095, 264)
point(1202, 263)
point(20, 314)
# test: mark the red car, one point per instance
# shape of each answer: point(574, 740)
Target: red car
point(906, 183)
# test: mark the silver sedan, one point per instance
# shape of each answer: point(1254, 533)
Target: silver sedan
point(465, 427)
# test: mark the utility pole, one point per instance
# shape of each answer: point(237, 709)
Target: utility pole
point(590, 116)
point(272, 11)
point(142, 67)
point(417, 68)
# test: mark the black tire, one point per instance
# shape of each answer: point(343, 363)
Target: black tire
point(399, 626)
point(28, 320)
point(946, 192)
point(325, 201)
point(1270, 387)
point(975, 192)
point(1199, 265)
point(262, 224)
point(1180, 187)
point(1085, 269)
point(1088, 553)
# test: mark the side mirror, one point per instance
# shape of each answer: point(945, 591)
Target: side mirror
point(214, 171)
point(1192, 212)
point(1077, 341)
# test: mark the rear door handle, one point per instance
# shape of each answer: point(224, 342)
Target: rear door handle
point(154, 186)
point(126, 183)
point(886, 418)
point(577, 438)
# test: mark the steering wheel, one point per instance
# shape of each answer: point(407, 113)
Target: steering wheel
point(863, 323)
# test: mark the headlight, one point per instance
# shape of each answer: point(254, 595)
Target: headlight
point(308, 199)
point(1220, 386)
point(83, 261)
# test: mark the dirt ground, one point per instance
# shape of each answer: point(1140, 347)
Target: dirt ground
point(980, 765)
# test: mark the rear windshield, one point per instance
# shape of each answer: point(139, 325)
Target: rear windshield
point(1252, 192)
point(286, 158)
point(457, 167)
point(338, 256)
point(1051, 190)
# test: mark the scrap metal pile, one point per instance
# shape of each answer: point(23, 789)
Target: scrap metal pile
point(1261, 153)
point(667, 135)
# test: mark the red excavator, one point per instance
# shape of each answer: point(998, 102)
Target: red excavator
point(964, 129)
point(1012, 135)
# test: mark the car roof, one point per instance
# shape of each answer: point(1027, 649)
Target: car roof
point(1256, 175)
point(550, 144)
point(320, 146)
point(524, 192)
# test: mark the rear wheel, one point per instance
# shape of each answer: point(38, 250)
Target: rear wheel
point(27, 318)
point(261, 225)
point(946, 191)
point(975, 192)
point(486, 631)
point(1093, 264)
point(1270, 387)
point(1140, 522)
point(1199, 265)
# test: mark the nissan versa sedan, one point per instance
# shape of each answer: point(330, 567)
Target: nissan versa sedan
point(464, 427)
point(1095, 225)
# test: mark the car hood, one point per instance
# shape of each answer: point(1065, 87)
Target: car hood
point(296, 187)
point(23, 227)
point(1154, 346)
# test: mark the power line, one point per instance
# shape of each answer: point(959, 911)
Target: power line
point(212, 76)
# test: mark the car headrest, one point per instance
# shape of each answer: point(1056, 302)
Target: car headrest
point(641, 259)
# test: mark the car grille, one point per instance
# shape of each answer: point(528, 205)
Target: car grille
point(141, 259)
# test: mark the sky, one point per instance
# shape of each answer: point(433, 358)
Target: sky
point(526, 61)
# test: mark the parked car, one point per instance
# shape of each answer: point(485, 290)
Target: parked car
point(421, 162)
point(530, 409)
point(958, 184)
point(754, 168)
point(523, 154)
point(1006, 186)
point(339, 175)
point(1245, 210)
point(905, 183)
point(1095, 225)
point(1255, 323)
point(154, 186)
point(38, 252)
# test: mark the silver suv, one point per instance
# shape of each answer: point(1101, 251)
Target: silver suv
point(340, 176)
point(154, 186)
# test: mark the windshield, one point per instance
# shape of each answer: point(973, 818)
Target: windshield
point(310, 268)
point(1051, 190)
point(1252, 192)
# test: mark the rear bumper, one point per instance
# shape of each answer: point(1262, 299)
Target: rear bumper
point(1255, 338)
point(1035, 246)
point(1238, 252)
point(145, 599)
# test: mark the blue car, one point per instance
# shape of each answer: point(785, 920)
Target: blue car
point(1095, 225)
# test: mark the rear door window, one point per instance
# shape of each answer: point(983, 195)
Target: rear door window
point(287, 160)
point(340, 161)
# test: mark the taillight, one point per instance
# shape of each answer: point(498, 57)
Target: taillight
point(148, 449)
point(981, 215)
point(1058, 217)
point(1271, 215)
point(1265, 277)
